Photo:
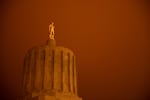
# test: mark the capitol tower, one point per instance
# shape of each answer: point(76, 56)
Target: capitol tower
point(49, 72)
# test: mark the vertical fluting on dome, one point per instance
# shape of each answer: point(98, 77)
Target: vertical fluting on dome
point(38, 71)
point(65, 72)
point(71, 74)
point(30, 74)
point(62, 69)
point(57, 70)
point(75, 75)
point(50, 69)
point(46, 71)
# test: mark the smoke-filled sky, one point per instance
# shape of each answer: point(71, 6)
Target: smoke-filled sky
point(110, 38)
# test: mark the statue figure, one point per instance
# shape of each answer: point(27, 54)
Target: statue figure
point(51, 30)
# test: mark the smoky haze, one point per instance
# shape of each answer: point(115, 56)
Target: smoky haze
point(110, 39)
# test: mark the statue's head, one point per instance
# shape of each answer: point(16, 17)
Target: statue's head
point(52, 23)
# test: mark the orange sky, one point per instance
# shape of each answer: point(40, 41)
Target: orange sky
point(109, 37)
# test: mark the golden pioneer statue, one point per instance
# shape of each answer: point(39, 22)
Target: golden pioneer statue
point(51, 30)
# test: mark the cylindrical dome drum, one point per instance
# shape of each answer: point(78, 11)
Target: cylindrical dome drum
point(50, 68)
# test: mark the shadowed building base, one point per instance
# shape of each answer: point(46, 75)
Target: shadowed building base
point(50, 97)
point(47, 97)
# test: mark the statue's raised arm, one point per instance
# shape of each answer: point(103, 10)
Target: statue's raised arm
point(51, 30)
